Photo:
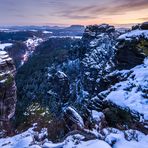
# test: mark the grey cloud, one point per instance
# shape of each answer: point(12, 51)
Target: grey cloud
point(34, 10)
point(72, 16)
point(115, 8)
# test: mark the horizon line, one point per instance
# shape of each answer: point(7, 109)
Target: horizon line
point(66, 25)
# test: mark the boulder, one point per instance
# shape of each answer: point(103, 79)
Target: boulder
point(73, 120)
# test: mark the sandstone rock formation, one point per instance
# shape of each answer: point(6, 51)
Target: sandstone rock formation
point(7, 88)
point(60, 86)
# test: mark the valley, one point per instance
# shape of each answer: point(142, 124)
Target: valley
point(74, 87)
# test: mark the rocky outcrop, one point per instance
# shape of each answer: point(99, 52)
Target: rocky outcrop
point(7, 88)
point(60, 86)
point(144, 26)
point(99, 42)
point(107, 53)
point(93, 30)
point(132, 48)
point(124, 102)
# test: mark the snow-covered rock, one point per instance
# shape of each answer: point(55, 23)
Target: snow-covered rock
point(128, 138)
point(7, 89)
point(60, 86)
point(134, 34)
point(73, 118)
point(97, 116)
point(99, 42)
point(132, 93)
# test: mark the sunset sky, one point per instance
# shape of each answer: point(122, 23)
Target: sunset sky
point(67, 12)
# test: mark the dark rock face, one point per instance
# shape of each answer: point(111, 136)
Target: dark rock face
point(16, 52)
point(144, 26)
point(7, 88)
point(131, 50)
point(60, 86)
point(136, 27)
point(128, 55)
point(93, 30)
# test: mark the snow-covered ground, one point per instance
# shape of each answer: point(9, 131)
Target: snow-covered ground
point(19, 141)
point(112, 138)
point(122, 143)
point(126, 139)
point(93, 144)
point(4, 45)
point(131, 93)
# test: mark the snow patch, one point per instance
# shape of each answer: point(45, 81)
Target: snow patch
point(47, 32)
point(94, 144)
point(97, 116)
point(4, 45)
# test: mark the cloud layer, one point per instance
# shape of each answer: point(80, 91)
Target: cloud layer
point(72, 12)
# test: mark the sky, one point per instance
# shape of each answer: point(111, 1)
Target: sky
point(68, 12)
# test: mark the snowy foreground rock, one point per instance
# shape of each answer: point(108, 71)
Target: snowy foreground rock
point(112, 138)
